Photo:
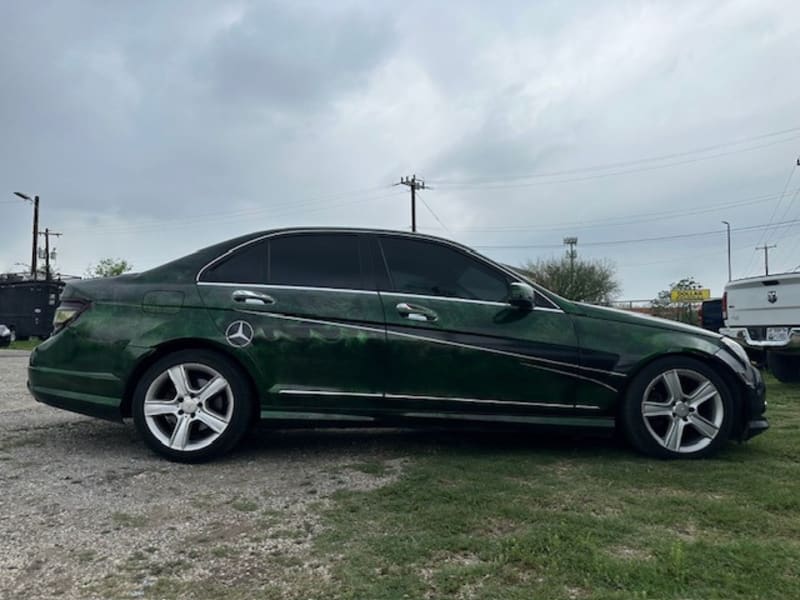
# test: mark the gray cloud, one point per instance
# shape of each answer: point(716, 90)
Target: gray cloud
point(151, 128)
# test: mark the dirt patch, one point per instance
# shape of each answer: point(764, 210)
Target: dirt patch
point(86, 511)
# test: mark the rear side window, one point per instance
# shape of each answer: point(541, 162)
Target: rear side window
point(247, 265)
point(316, 260)
point(427, 268)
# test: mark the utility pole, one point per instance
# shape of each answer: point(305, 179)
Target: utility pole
point(35, 201)
point(572, 253)
point(728, 225)
point(47, 233)
point(766, 248)
point(414, 184)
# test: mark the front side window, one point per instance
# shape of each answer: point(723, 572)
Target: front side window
point(431, 269)
point(315, 260)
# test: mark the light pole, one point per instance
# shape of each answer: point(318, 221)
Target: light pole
point(728, 225)
point(35, 201)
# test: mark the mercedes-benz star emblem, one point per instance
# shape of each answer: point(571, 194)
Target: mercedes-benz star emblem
point(772, 297)
point(239, 334)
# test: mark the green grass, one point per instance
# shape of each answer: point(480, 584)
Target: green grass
point(123, 519)
point(515, 517)
point(244, 504)
point(29, 344)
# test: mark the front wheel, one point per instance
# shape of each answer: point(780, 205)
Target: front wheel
point(192, 406)
point(678, 407)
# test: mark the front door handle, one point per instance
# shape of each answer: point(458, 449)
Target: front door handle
point(249, 297)
point(416, 313)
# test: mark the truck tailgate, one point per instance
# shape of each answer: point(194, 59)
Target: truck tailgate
point(759, 301)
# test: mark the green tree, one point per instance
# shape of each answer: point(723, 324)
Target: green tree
point(108, 267)
point(574, 278)
point(686, 312)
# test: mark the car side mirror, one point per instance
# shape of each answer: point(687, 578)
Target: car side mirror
point(521, 296)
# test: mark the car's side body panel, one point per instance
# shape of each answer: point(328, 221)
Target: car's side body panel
point(525, 360)
point(90, 362)
point(315, 349)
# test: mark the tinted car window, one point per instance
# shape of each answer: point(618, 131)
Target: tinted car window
point(420, 267)
point(315, 260)
point(248, 265)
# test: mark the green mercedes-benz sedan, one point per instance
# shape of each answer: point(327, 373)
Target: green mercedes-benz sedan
point(352, 326)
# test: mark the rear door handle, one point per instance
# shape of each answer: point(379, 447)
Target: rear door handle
point(416, 313)
point(250, 297)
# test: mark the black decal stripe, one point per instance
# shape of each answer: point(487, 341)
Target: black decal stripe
point(543, 355)
point(450, 340)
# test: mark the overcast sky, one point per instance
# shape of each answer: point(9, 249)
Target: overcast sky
point(151, 129)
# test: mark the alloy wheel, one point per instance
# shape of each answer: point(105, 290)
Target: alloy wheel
point(682, 410)
point(188, 406)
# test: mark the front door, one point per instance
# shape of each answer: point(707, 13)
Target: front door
point(300, 305)
point(456, 347)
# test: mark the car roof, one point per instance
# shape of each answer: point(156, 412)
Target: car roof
point(363, 230)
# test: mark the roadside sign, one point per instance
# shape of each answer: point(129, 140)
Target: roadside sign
point(690, 295)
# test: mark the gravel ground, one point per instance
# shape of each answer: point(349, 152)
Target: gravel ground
point(87, 511)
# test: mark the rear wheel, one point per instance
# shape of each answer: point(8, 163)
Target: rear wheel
point(785, 367)
point(192, 406)
point(678, 407)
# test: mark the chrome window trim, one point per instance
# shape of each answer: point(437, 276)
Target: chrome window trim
point(359, 291)
point(472, 254)
point(305, 288)
point(378, 232)
point(260, 238)
point(451, 298)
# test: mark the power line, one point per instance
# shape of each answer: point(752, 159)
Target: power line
point(232, 216)
point(793, 249)
point(774, 211)
point(606, 166)
point(644, 240)
point(614, 222)
point(435, 216)
point(495, 186)
point(792, 198)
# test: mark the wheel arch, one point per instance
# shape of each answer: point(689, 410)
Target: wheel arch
point(719, 366)
point(175, 346)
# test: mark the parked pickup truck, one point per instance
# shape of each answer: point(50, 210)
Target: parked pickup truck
point(763, 314)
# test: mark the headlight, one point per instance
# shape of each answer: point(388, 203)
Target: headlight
point(737, 349)
point(67, 312)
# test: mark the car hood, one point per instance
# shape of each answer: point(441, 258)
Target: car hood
point(625, 316)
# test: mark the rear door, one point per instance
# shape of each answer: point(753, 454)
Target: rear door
point(456, 347)
point(302, 305)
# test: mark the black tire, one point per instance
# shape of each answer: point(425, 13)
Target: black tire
point(184, 420)
point(651, 435)
point(785, 367)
